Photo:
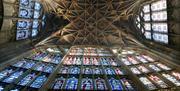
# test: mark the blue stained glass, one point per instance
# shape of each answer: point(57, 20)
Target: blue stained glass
point(74, 70)
point(39, 56)
point(1, 88)
point(64, 70)
point(35, 24)
point(26, 80)
point(22, 34)
point(87, 71)
point(29, 64)
point(49, 69)
point(12, 77)
point(97, 71)
point(20, 63)
point(24, 2)
point(109, 71)
point(37, 6)
point(5, 73)
point(43, 24)
point(72, 83)
point(59, 82)
point(115, 84)
point(44, 17)
point(100, 84)
point(40, 67)
point(127, 84)
point(56, 59)
point(15, 90)
point(87, 84)
point(34, 32)
point(36, 14)
point(25, 13)
point(39, 81)
point(104, 61)
point(23, 24)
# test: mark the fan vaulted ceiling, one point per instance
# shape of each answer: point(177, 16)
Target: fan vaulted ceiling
point(91, 21)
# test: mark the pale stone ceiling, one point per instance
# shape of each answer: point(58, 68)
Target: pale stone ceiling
point(91, 21)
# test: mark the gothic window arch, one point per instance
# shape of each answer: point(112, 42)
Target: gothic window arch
point(152, 21)
point(30, 19)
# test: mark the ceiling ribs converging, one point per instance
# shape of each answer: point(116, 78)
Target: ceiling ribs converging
point(91, 21)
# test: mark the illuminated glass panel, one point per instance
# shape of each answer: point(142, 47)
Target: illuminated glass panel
point(172, 79)
point(39, 81)
point(139, 25)
point(100, 84)
point(97, 71)
point(142, 30)
point(146, 8)
point(158, 81)
point(23, 24)
point(147, 26)
point(160, 27)
point(147, 17)
point(176, 75)
point(26, 80)
point(75, 70)
point(37, 6)
point(147, 83)
point(59, 83)
point(6, 72)
point(14, 76)
point(86, 84)
point(159, 16)
point(135, 70)
point(115, 84)
point(72, 83)
point(25, 13)
point(34, 32)
point(160, 37)
point(147, 35)
point(87, 71)
point(127, 84)
point(36, 14)
point(26, 3)
point(160, 5)
point(22, 34)
point(109, 71)
point(138, 19)
point(35, 24)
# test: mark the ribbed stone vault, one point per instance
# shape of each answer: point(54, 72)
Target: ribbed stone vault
point(92, 21)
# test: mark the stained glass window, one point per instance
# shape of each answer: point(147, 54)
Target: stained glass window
point(147, 17)
point(87, 84)
point(22, 34)
point(147, 26)
point(160, 27)
point(160, 37)
point(72, 83)
point(160, 5)
point(30, 13)
point(159, 16)
point(146, 8)
point(154, 18)
point(115, 84)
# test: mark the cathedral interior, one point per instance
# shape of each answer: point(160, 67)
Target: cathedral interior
point(89, 45)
